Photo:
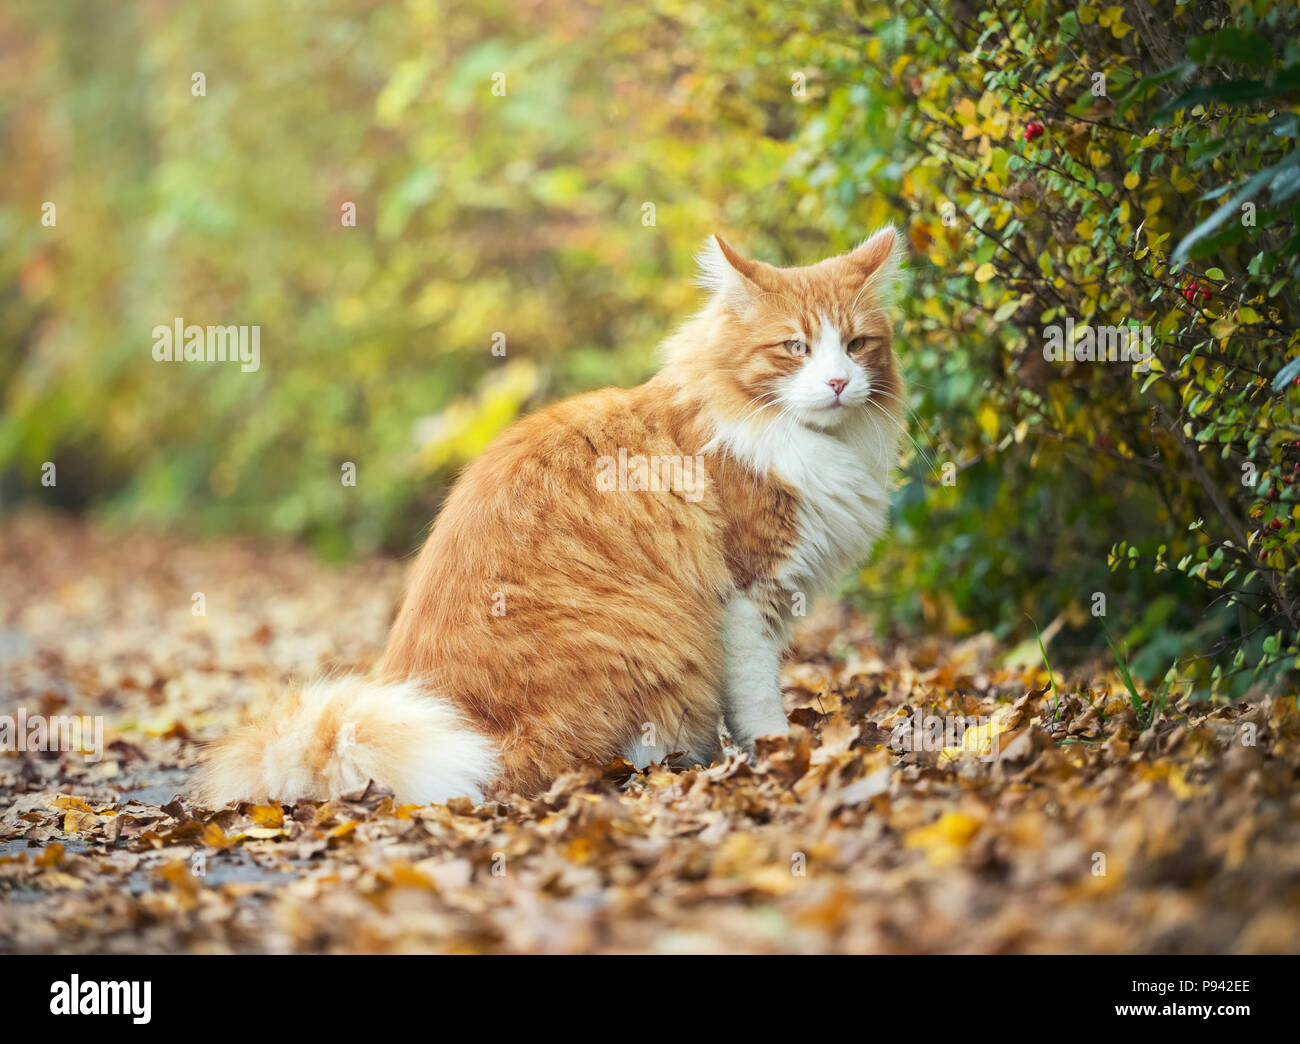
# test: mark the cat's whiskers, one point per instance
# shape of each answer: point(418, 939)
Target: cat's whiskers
point(761, 407)
point(907, 406)
point(926, 458)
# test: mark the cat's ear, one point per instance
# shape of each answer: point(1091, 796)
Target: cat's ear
point(879, 261)
point(723, 272)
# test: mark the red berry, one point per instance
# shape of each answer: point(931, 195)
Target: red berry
point(1275, 525)
point(1034, 130)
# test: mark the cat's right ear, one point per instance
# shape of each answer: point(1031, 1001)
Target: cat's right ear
point(725, 274)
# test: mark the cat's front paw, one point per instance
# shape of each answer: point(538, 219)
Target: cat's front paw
point(749, 741)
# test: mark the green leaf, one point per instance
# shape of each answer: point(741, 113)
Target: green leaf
point(1245, 190)
point(1232, 45)
point(1287, 82)
point(1287, 374)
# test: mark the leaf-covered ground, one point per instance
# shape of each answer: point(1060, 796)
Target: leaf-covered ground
point(1054, 824)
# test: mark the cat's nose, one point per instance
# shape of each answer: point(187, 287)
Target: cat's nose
point(839, 385)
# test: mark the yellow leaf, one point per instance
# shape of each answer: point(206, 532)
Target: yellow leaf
point(985, 272)
point(1132, 179)
point(943, 840)
point(1222, 327)
point(405, 875)
point(987, 418)
point(772, 879)
point(267, 815)
point(215, 837)
point(1174, 777)
point(58, 879)
point(69, 803)
point(578, 850)
point(262, 833)
point(74, 821)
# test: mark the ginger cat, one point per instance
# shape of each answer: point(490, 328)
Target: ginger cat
point(616, 574)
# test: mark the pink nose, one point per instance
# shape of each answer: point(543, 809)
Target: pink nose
point(838, 385)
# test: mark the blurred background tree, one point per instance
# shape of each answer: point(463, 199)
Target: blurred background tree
point(537, 176)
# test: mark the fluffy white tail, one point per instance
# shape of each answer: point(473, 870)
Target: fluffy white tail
point(338, 734)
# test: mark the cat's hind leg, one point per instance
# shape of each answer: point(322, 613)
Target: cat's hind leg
point(697, 742)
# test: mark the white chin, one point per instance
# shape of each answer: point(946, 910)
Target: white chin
point(823, 417)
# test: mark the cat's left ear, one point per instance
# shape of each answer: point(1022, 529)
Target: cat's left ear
point(736, 279)
point(879, 261)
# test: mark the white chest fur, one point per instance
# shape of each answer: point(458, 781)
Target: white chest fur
point(842, 480)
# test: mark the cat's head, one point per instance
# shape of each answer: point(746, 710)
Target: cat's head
point(810, 344)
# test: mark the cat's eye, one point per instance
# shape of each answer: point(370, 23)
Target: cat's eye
point(797, 347)
point(859, 343)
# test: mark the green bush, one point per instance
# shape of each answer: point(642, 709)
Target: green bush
point(1078, 146)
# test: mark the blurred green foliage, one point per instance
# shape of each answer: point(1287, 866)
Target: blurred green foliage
point(477, 215)
point(563, 214)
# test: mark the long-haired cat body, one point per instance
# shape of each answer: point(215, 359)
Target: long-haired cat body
point(617, 573)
